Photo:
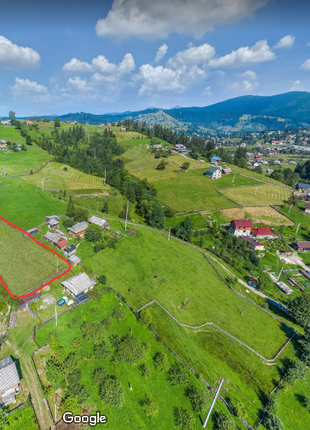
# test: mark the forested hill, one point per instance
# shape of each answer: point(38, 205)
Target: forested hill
point(247, 113)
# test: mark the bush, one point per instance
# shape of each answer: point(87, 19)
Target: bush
point(67, 223)
point(161, 361)
point(102, 350)
point(197, 398)
point(99, 246)
point(183, 419)
point(112, 392)
point(118, 313)
point(102, 279)
point(93, 233)
point(273, 422)
point(129, 350)
point(150, 408)
point(94, 293)
point(145, 317)
point(145, 370)
point(177, 375)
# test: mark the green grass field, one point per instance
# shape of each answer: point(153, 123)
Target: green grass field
point(186, 191)
point(157, 387)
point(26, 205)
point(257, 176)
point(10, 134)
point(136, 157)
point(121, 136)
point(24, 264)
point(115, 204)
point(55, 177)
point(266, 195)
point(199, 222)
point(16, 163)
point(22, 418)
point(184, 274)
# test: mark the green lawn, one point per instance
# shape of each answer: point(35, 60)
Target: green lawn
point(136, 157)
point(23, 418)
point(156, 387)
point(16, 163)
point(257, 175)
point(26, 205)
point(10, 134)
point(115, 204)
point(184, 274)
point(186, 191)
point(266, 195)
point(24, 264)
point(198, 220)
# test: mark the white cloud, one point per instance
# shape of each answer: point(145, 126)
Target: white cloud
point(30, 90)
point(306, 65)
point(79, 84)
point(192, 56)
point(297, 86)
point(75, 65)
point(248, 82)
point(286, 42)
point(245, 56)
point(14, 56)
point(128, 65)
point(207, 91)
point(156, 19)
point(162, 51)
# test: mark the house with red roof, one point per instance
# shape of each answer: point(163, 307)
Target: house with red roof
point(262, 233)
point(254, 244)
point(241, 227)
point(62, 244)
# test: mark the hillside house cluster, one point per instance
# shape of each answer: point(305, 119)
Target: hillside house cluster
point(179, 148)
point(55, 240)
point(244, 228)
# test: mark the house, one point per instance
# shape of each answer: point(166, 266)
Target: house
point(74, 260)
point(242, 145)
point(32, 232)
point(98, 221)
point(262, 233)
point(78, 229)
point(6, 122)
point(24, 302)
point(157, 146)
point(52, 238)
point(226, 171)
point(277, 162)
point(49, 218)
point(254, 244)
point(69, 250)
point(301, 246)
point(18, 147)
point(283, 287)
point(214, 172)
point(307, 208)
point(216, 160)
point(62, 244)
point(241, 227)
point(179, 147)
point(286, 252)
point(269, 171)
point(303, 188)
point(9, 381)
point(122, 129)
point(29, 122)
point(79, 284)
point(53, 223)
point(3, 147)
point(61, 234)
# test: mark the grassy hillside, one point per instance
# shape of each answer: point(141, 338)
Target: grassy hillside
point(17, 163)
point(265, 195)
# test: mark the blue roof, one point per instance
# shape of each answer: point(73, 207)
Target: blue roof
point(303, 185)
point(216, 158)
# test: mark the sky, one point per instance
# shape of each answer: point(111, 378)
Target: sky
point(128, 55)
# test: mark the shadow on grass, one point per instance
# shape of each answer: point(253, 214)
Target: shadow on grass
point(17, 364)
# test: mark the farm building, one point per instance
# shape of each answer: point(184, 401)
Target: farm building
point(283, 287)
point(24, 302)
point(6, 122)
point(29, 122)
point(9, 381)
point(263, 233)
point(52, 238)
point(269, 171)
point(62, 244)
point(49, 218)
point(3, 144)
point(122, 129)
point(307, 208)
point(179, 147)
point(78, 229)
point(241, 227)
point(79, 284)
point(157, 146)
point(214, 172)
point(301, 246)
point(226, 171)
point(216, 160)
point(303, 188)
point(254, 244)
point(61, 233)
point(287, 252)
point(53, 224)
point(98, 221)
point(32, 232)
point(70, 250)
point(74, 260)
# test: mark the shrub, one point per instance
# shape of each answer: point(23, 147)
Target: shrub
point(145, 370)
point(197, 398)
point(102, 350)
point(183, 419)
point(118, 313)
point(150, 408)
point(161, 361)
point(273, 422)
point(67, 223)
point(112, 392)
point(129, 350)
point(177, 375)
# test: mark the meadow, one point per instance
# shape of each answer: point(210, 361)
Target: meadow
point(26, 205)
point(257, 176)
point(192, 190)
point(24, 264)
point(197, 219)
point(183, 273)
point(57, 176)
point(17, 163)
point(10, 134)
point(156, 386)
point(122, 136)
point(22, 418)
point(263, 214)
point(136, 157)
point(266, 195)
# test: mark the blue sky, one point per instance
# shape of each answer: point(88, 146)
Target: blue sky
point(107, 56)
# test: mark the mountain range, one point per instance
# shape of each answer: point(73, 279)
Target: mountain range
point(246, 113)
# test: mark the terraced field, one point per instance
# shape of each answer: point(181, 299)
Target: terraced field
point(266, 195)
point(57, 176)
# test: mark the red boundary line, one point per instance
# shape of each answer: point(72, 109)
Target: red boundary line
point(44, 246)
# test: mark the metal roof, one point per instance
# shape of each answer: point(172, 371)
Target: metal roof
point(242, 222)
point(303, 185)
point(8, 374)
point(74, 259)
point(79, 283)
point(98, 221)
point(212, 169)
point(78, 228)
point(262, 231)
point(52, 237)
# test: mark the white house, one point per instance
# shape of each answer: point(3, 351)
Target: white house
point(214, 172)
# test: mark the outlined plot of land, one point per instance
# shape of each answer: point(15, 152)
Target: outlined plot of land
point(25, 264)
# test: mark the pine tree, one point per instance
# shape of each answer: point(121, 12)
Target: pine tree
point(70, 208)
point(105, 208)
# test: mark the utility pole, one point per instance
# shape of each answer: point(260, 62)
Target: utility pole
point(56, 409)
point(187, 302)
point(56, 312)
point(88, 136)
point(297, 228)
point(105, 174)
point(243, 309)
point(280, 273)
point(126, 214)
point(233, 179)
point(255, 191)
point(290, 208)
point(169, 233)
point(212, 404)
point(97, 206)
point(42, 185)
